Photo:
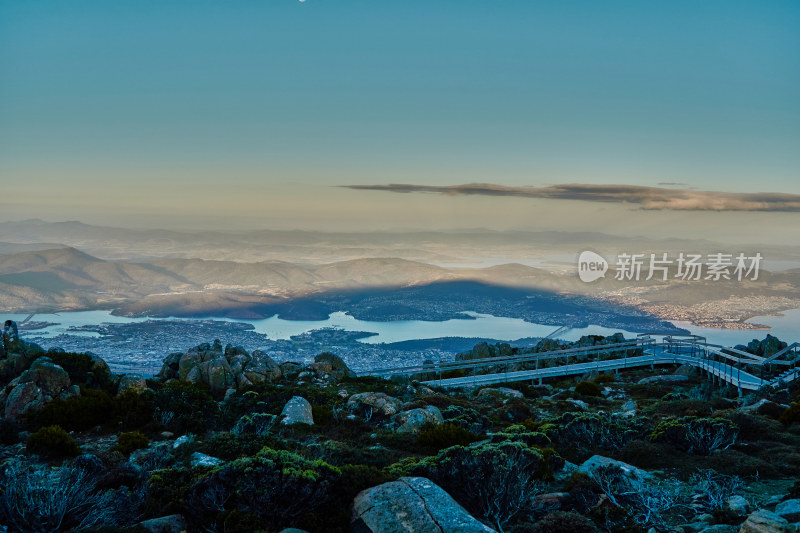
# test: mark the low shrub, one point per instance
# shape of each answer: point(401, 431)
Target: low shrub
point(588, 388)
point(92, 408)
point(189, 407)
point(771, 410)
point(605, 378)
point(334, 516)
point(435, 438)
point(790, 415)
point(323, 415)
point(561, 522)
point(54, 442)
point(128, 442)
point(699, 436)
point(276, 486)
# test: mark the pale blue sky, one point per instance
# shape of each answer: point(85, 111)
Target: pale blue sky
point(129, 108)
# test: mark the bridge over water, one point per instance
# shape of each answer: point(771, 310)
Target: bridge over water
point(743, 370)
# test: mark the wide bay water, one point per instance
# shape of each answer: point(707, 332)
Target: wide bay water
point(786, 327)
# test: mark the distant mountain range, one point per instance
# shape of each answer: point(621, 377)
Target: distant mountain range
point(161, 276)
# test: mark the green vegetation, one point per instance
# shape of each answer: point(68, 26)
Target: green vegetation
point(53, 442)
point(128, 442)
point(588, 388)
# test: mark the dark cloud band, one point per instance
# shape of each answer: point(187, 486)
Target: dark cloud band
point(645, 197)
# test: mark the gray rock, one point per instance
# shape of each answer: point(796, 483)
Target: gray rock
point(183, 439)
point(790, 510)
point(763, 521)
point(261, 367)
point(685, 370)
point(720, 528)
point(376, 402)
point(738, 505)
point(133, 383)
point(411, 421)
point(166, 524)
point(30, 391)
point(598, 461)
point(411, 504)
point(297, 411)
point(201, 459)
point(499, 393)
point(667, 378)
point(220, 375)
point(338, 368)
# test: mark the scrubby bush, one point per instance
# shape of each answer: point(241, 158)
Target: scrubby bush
point(334, 516)
point(167, 489)
point(588, 388)
point(771, 410)
point(435, 438)
point(699, 436)
point(61, 499)
point(190, 408)
point(466, 417)
point(791, 414)
point(128, 442)
point(275, 486)
point(322, 414)
point(494, 480)
point(560, 522)
point(92, 408)
point(682, 407)
point(52, 441)
point(605, 378)
point(596, 430)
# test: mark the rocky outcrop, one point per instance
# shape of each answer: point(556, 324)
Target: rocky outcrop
point(790, 510)
point(411, 421)
point(596, 462)
point(411, 504)
point(208, 364)
point(499, 393)
point(330, 365)
point(30, 391)
point(166, 524)
point(297, 411)
point(374, 403)
point(764, 521)
point(131, 383)
point(201, 459)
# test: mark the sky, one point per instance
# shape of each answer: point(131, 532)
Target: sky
point(267, 113)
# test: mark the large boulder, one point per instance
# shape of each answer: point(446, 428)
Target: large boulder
point(596, 462)
point(297, 411)
point(131, 383)
point(333, 365)
point(499, 393)
point(261, 367)
point(790, 510)
point(411, 504)
point(43, 382)
point(374, 403)
point(764, 521)
point(411, 421)
point(166, 524)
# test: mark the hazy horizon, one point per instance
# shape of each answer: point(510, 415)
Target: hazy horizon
point(266, 115)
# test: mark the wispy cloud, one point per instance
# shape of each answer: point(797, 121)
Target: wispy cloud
point(646, 197)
